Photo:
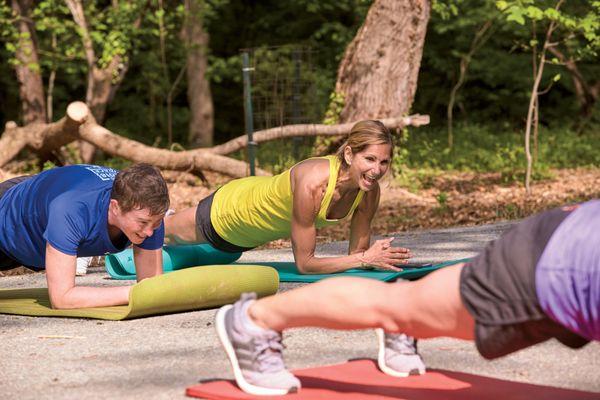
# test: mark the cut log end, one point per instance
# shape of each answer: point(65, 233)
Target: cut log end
point(416, 120)
point(78, 111)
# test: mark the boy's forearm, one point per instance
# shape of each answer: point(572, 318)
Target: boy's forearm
point(85, 297)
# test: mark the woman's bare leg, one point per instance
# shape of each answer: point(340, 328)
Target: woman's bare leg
point(429, 307)
point(180, 228)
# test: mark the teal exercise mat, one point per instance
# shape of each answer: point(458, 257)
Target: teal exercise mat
point(289, 273)
point(121, 266)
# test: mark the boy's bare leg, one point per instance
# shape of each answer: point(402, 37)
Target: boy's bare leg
point(180, 228)
point(429, 307)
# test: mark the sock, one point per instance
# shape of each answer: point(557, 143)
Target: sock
point(247, 321)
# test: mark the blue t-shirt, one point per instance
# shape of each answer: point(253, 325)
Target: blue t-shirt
point(66, 207)
point(568, 272)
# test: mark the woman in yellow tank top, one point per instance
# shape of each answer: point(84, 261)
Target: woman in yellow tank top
point(321, 191)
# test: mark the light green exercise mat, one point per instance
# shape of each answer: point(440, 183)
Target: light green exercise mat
point(189, 289)
point(121, 265)
point(288, 272)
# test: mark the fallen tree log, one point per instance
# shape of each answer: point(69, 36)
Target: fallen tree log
point(312, 130)
point(79, 123)
point(194, 161)
point(41, 138)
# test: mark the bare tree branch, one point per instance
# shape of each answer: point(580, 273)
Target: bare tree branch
point(311, 130)
point(76, 8)
point(194, 161)
point(478, 40)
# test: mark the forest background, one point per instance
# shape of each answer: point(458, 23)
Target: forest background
point(491, 75)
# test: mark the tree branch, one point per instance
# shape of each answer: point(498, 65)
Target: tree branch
point(194, 160)
point(76, 8)
point(311, 130)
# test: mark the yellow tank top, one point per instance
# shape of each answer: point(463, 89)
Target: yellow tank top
point(252, 211)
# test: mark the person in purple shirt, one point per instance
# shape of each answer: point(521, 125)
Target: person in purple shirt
point(539, 280)
point(49, 219)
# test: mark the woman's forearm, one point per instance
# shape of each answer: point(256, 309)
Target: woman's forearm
point(326, 265)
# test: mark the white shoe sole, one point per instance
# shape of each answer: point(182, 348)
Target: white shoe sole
point(237, 372)
point(381, 358)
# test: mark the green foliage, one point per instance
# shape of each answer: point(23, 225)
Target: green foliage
point(446, 9)
point(8, 32)
point(336, 105)
point(48, 165)
point(497, 87)
point(488, 148)
point(499, 79)
point(574, 22)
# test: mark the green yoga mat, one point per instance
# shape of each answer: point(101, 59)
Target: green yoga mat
point(289, 273)
point(189, 289)
point(121, 266)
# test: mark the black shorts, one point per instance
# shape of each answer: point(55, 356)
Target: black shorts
point(205, 228)
point(7, 262)
point(498, 289)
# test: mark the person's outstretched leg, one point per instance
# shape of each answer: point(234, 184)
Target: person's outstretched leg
point(429, 307)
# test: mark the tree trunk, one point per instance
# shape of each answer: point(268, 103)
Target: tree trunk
point(378, 75)
point(201, 125)
point(31, 86)
point(102, 83)
point(534, 101)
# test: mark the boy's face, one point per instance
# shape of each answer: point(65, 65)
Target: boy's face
point(137, 224)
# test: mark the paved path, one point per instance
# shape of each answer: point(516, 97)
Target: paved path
point(157, 357)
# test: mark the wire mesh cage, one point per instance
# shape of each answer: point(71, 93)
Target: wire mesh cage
point(283, 81)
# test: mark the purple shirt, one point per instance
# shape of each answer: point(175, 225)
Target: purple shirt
point(568, 272)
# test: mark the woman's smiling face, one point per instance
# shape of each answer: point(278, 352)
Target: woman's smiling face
point(368, 166)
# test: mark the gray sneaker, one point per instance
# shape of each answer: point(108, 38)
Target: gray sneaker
point(398, 355)
point(254, 353)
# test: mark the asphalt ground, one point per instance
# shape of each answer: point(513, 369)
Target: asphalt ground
point(158, 357)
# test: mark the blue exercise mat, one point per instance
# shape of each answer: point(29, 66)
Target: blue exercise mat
point(289, 273)
point(121, 265)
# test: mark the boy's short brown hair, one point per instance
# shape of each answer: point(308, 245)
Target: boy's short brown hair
point(141, 186)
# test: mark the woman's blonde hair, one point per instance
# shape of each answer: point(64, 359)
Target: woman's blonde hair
point(364, 134)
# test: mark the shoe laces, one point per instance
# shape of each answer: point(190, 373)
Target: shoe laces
point(268, 352)
point(401, 343)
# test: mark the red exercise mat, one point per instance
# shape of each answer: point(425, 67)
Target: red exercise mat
point(360, 379)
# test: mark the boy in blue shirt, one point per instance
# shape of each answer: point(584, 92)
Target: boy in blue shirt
point(50, 219)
